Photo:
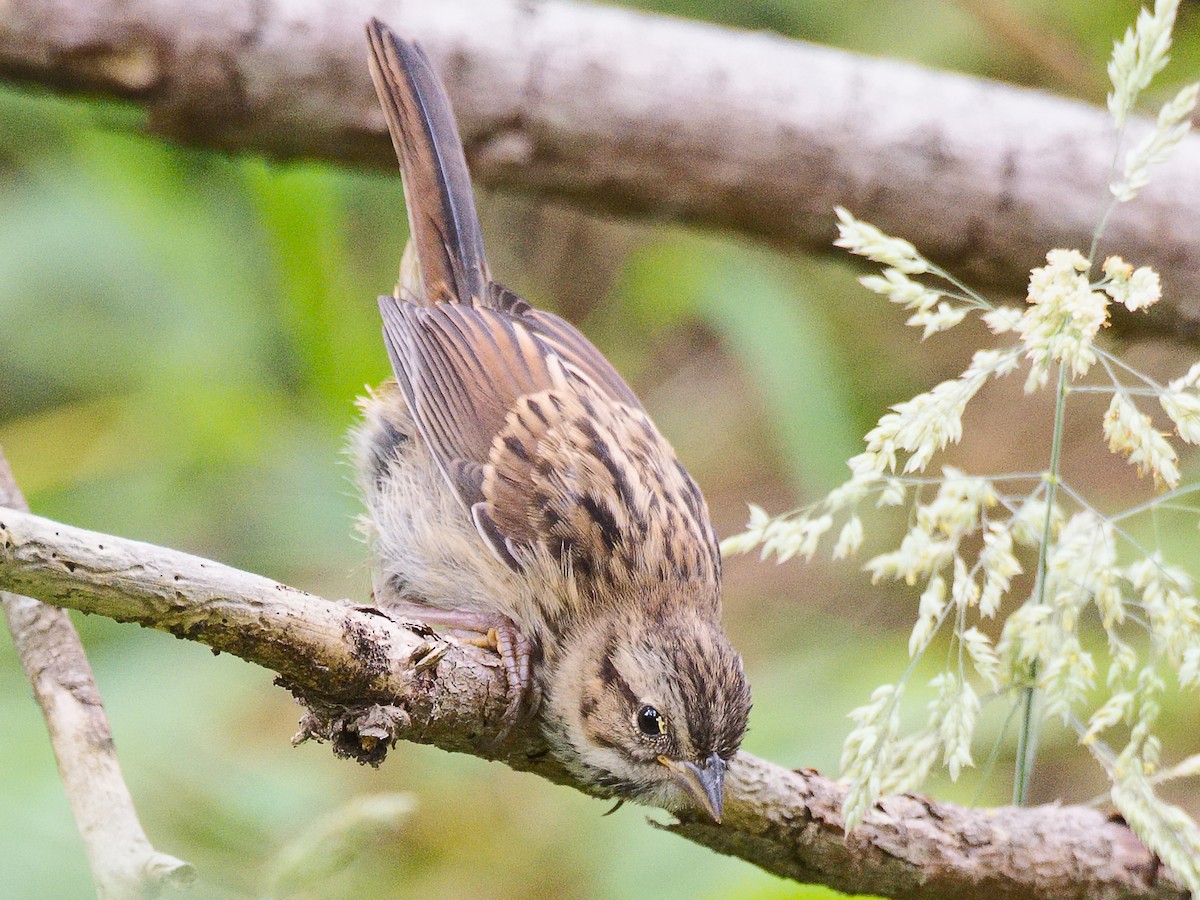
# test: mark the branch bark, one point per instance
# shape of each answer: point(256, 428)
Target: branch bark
point(644, 116)
point(122, 861)
point(368, 681)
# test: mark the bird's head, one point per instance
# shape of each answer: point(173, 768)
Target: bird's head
point(650, 709)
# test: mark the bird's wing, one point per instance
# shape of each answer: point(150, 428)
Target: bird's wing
point(541, 439)
point(463, 368)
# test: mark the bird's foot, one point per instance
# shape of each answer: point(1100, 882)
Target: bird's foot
point(491, 632)
point(516, 656)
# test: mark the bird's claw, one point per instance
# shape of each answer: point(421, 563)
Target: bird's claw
point(516, 657)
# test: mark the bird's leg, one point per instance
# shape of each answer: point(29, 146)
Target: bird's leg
point(492, 632)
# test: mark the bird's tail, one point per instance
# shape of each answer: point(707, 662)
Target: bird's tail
point(443, 224)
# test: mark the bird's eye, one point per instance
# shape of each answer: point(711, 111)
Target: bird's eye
point(650, 722)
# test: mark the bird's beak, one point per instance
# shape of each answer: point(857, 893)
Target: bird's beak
point(704, 781)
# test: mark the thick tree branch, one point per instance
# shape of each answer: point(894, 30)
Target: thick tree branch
point(123, 863)
point(646, 116)
point(368, 681)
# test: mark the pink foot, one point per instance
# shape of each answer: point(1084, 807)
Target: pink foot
point(498, 633)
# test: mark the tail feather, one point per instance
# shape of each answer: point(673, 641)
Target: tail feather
point(437, 186)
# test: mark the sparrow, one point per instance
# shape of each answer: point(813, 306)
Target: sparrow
point(516, 490)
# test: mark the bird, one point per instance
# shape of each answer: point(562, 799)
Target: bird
point(517, 491)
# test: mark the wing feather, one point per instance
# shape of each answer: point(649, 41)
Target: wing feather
point(564, 339)
point(462, 369)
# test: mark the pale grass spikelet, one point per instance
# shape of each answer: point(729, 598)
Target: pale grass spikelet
point(1170, 605)
point(751, 537)
point(1003, 319)
point(1081, 566)
point(1181, 402)
point(899, 288)
point(863, 239)
point(869, 750)
point(956, 509)
point(992, 364)
point(853, 490)
point(1188, 768)
point(919, 555)
point(983, 656)
point(871, 464)
point(1116, 709)
point(928, 422)
point(1188, 673)
point(1026, 526)
point(1122, 663)
point(1063, 317)
point(1108, 598)
point(894, 493)
point(933, 538)
point(786, 538)
point(953, 713)
point(1027, 636)
point(1151, 753)
point(850, 538)
point(871, 720)
point(943, 317)
point(999, 565)
point(1139, 56)
point(912, 760)
point(742, 542)
point(1148, 704)
point(811, 535)
point(921, 426)
point(1115, 268)
point(1163, 827)
point(965, 589)
point(1174, 122)
point(929, 615)
point(1135, 289)
point(1130, 433)
point(861, 793)
point(1068, 673)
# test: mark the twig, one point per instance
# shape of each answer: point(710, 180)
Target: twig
point(123, 863)
point(368, 681)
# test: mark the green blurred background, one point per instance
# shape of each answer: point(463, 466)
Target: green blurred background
point(182, 336)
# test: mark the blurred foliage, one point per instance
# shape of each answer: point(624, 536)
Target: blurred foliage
point(181, 339)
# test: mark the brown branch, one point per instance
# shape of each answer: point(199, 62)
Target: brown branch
point(644, 116)
point(368, 681)
point(123, 863)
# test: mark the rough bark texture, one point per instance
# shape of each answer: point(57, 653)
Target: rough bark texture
point(644, 116)
point(123, 863)
point(368, 681)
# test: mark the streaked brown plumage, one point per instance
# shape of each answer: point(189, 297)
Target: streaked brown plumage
point(516, 488)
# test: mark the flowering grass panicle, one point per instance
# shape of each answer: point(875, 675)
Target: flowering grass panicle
point(1131, 433)
point(1139, 56)
point(1063, 317)
point(1096, 602)
point(1174, 121)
